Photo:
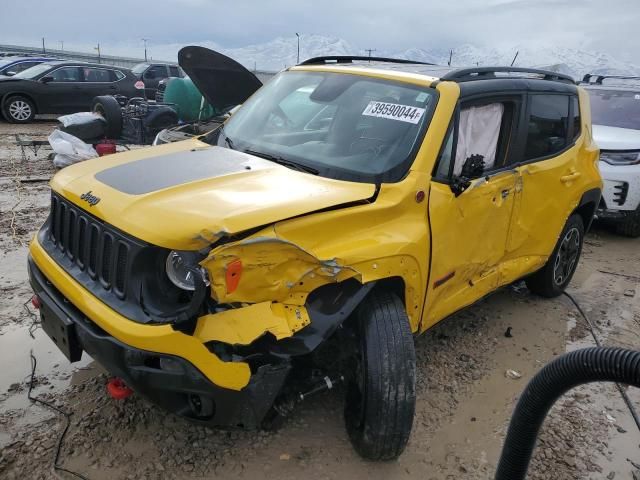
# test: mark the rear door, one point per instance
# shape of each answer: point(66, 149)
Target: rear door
point(549, 181)
point(469, 230)
point(97, 81)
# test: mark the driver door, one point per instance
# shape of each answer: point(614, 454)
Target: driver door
point(62, 94)
point(469, 228)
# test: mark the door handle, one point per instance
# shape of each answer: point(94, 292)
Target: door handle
point(505, 193)
point(570, 178)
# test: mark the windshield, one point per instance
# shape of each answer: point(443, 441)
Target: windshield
point(33, 72)
point(6, 61)
point(139, 68)
point(615, 108)
point(341, 125)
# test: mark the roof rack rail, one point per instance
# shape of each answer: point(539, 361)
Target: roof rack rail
point(351, 58)
point(482, 73)
point(598, 79)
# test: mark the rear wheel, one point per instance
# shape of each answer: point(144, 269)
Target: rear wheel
point(381, 396)
point(630, 225)
point(551, 280)
point(18, 109)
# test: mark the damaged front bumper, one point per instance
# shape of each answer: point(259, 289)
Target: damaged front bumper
point(185, 373)
point(170, 381)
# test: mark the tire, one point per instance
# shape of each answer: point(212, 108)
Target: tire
point(630, 225)
point(161, 118)
point(552, 279)
point(18, 109)
point(381, 394)
point(109, 108)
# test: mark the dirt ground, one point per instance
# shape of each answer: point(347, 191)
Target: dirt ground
point(465, 397)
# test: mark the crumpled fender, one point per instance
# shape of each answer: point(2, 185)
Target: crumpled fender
point(273, 269)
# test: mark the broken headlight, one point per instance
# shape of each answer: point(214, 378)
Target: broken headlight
point(627, 157)
point(181, 268)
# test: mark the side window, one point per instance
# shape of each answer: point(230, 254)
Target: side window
point(173, 71)
point(548, 125)
point(117, 75)
point(66, 74)
point(575, 115)
point(97, 75)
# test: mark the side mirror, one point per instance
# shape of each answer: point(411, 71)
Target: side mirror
point(10, 73)
point(473, 168)
point(46, 79)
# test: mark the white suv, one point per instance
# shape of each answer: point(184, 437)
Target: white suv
point(615, 112)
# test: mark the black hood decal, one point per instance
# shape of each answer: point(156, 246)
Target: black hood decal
point(164, 171)
point(221, 80)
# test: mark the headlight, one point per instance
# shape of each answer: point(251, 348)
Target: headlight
point(181, 268)
point(628, 157)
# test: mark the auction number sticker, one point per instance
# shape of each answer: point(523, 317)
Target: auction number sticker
point(394, 111)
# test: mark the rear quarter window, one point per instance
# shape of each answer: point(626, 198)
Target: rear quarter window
point(547, 130)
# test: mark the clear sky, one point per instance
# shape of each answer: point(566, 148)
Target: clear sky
point(611, 26)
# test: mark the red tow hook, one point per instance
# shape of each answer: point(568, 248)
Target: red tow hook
point(118, 389)
point(36, 302)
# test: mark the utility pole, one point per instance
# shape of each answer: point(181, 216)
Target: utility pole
point(145, 48)
point(369, 50)
point(450, 57)
point(98, 49)
point(298, 35)
point(514, 58)
point(43, 49)
point(61, 45)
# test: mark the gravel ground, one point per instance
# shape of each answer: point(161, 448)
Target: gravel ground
point(465, 397)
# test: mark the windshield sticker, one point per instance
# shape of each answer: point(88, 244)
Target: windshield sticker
point(394, 111)
point(636, 96)
point(422, 96)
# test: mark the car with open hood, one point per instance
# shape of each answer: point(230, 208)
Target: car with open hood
point(615, 102)
point(348, 205)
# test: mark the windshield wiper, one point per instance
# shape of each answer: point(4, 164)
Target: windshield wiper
point(228, 141)
point(283, 161)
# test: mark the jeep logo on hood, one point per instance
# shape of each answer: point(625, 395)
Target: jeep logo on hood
point(90, 198)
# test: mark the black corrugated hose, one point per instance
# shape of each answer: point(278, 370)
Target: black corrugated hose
point(594, 364)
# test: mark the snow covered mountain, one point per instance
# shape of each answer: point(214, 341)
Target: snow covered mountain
point(282, 52)
point(274, 55)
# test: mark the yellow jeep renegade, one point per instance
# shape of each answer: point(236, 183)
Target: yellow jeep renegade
point(348, 205)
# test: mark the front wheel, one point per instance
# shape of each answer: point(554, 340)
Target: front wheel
point(381, 394)
point(18, 109)
point(551, 280)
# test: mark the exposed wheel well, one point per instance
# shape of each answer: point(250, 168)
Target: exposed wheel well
point(586, 212)
point(19, 94)
point(393, 284)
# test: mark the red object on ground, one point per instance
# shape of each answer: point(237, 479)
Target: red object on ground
point(118, 389)
point(36, 302)
point(106, 148)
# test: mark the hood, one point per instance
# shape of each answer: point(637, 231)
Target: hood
point(221, 80)
point(615, 138)
point(188, 194)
